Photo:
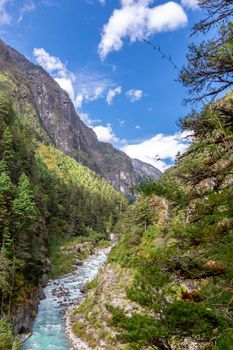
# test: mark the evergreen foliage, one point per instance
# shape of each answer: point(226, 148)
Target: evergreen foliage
point(182, 260)
point(45, 196)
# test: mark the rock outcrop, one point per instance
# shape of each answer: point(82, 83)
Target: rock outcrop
point(145, 170)
point(25, 313)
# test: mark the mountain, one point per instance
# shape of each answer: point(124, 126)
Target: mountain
point(46, 107)
point(145, 170)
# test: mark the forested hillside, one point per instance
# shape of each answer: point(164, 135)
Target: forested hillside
point(168, 284)
point(44, 196)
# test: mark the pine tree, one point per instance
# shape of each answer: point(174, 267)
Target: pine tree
point(25, 218)
point(8, 151)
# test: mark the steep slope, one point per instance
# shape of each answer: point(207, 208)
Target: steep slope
point(145, 170)
point(48, 108)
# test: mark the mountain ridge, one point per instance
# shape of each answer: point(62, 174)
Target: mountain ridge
point(49, 109)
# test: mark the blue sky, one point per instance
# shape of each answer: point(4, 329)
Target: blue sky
point(94, 49)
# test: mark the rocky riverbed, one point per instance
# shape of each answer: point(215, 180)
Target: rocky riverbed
point(49, 331)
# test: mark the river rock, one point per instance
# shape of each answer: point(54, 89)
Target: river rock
point(82, 288)
point(78, 262)
point(60, 292)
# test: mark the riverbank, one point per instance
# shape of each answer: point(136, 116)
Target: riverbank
point(75, 342)
point(88, 325)
point(48, 327)
point(68, 253)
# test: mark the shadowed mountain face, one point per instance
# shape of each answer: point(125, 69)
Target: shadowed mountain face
point(47, 108)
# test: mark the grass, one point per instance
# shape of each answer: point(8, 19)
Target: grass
point(61, 263)
point(63, 258)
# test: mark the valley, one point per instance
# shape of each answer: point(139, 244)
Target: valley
point(100, 250)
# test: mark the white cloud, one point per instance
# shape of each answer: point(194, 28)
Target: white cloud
point(137, 127)
point(57, 69)
point(159, 149)
point(91, 86)
point(134, 95)
point(27, 7)
point(78, 101)
point(113, 93)
point(5, 17)
point(135, 19)
point(193, 4)
point(48, 62)
point(87, 86)
point(67, 85)
point(87, 120)
point(105, 133)
point(102, 2)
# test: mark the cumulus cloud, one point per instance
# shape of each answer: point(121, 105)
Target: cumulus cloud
point(87, 86)
point(134, 95)
point(135, 20)
point(57, 69)
point(48, 62)
point(113, 93)
point(27, 7)
point(67, 85)
point(193, 4)
point(105, 133)
point(5, 17)
point(159, 150)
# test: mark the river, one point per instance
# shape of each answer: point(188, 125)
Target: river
point(48, 328)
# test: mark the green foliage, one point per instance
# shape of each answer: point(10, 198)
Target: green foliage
point(182, 265)
point(141, 329)
point(168, 186)
point(7, 340)
point(45, 198)
point(91, 284)
point(93, 203)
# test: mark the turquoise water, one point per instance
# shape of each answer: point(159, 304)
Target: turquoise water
point(48, 328)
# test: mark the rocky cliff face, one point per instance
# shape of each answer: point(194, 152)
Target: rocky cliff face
point(145, 170)
point(48, 109)
point(25, 313)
